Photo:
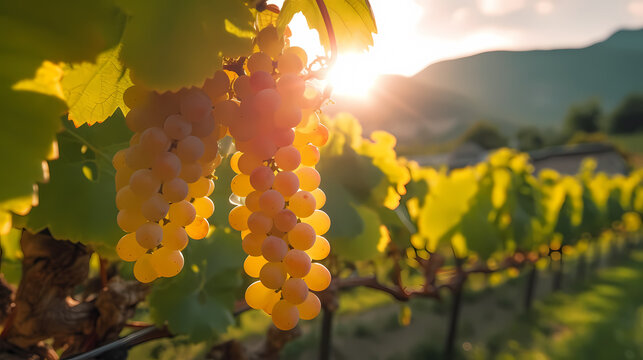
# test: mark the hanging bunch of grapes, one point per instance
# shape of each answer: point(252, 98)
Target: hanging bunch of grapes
point(277, 133)
point(164, 178)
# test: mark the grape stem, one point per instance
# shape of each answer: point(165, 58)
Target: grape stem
point(329, 29)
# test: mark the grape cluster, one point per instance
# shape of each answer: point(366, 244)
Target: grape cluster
point(277, 134)
point(164, 178)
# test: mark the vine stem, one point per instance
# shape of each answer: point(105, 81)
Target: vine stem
point(329, 29)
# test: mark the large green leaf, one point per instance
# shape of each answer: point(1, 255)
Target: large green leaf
point(199, 301)
point(94, 90)
point(352, 21)
point(364, 245)
point(78, 202)
point(172, 44)
point(345, 220)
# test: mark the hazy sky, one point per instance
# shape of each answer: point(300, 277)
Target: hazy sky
point(415, 33)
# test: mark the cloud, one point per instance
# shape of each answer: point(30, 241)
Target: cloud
point(635, 8)
point(499, 7)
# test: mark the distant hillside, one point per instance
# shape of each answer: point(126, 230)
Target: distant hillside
point(507, 87)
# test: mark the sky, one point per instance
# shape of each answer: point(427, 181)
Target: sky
point(415, 33)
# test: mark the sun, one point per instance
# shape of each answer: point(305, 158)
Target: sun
point(352, 75)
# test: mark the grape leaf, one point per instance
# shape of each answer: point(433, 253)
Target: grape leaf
point(78, 204)
point(345, 220)
point(199, 301)
point(172, 44)
point(352, 21)
point(364, 245)
point(93, 91)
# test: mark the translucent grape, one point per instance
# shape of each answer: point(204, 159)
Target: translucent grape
point(217, 85)
point(285, 220)
point(128, 248)
point(210, 150)
point(261, 80)
point(238, 218)
point(143, 269)
point(198, 229)
point(274, 248)
point(309, 178)
point(240, 185)
point(259, 222)
point(227, 112)
point(176, 127)
point(182, 213)
point(269, 41)
point(289, 63)
point(191, 172)
point(137, 158)
point(251, 243)
point(174, 237)
point(252, 265)
point(204, 127)
point(273, 275)
point(282, 136)
point(294, 290)
point(149, 235)
point(288, 158)
point(135, 96)
point(257, 295)
point(286, 183)
point(154, 141)
point(195, 104)
point(297, 263)
point(319, 220)
point(309, 155)
point(204, 206)
point(167, 166)
point(259, 62)
point(247, 163)
point(302, 203)
point(167, 262)
point(320, 198)
point(121, 179)
point(310, 308)
point(175, 190)
point(200, 188)
point(302, 236)
point(320, 136)
point(234, 162)
point(252, 201)
point(318, 279)
point(320, 249)
point(144, 184)
point(155, 208)
point(118, 161)
point(262, 147)
point(190, 149)
point(262, 178)
point(130, 219)
point(242, 88)
point(291, 87)
point(126, 199)
point(287, 116)
point(272, 299)
point(271, 201)
point(285, 315)
point(137, 119)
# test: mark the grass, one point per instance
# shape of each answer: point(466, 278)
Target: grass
point(629, 142)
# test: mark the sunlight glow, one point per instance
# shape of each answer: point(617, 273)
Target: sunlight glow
point(353, 75)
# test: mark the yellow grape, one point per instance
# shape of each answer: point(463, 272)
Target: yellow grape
point(149, 235)
point(310, 308)
point(182, 213)
point(155, 208)
point(247, 163)
point(195, 104)
point(200, 188)
point(320, 249)
point(126, 199)
point(226, 112)
point(319, 220)
point(144, 184)
point(130, 219)
point(190, 149)
point(135, 96)
point(274, 248)
point(252, 201)
point(260, 223)
point(287, 183)
point(154, 141)
point(118, 161)
point(252, 265)
point(175, 190)
point(234, 162)
point(251, 243)
point(167, 262)
point(291, 87)
point(285, 315)
point(309, 155)
point(241, 87)
point(143, 269)
point(240, 185)
point(137, 158)
point(320, 198)
point(176, 127)
point(259, 62)
point(302, 236)
point(198, 229)
point(204, 206)
point(262, 178)
point(309, 178)
point(238, 218)
point(217, 85)
point(297, 263)
point(128, 248)
point(166, 166)
point(257, 295)
point(210, 148)
point(269, 41)
point(294, 290)
point(122, 177)
point(191, 171)
point(273, 275)
point(289, 63)
point(203, 128)
point(302, 203)
point(272, 299)
point(174, 237)
point(319, 137)
point(288, 158)
point(271, 202)
point(301, 53)
point(318, 279)
point(285, 220)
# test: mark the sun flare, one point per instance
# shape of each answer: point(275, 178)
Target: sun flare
point(352, 75)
